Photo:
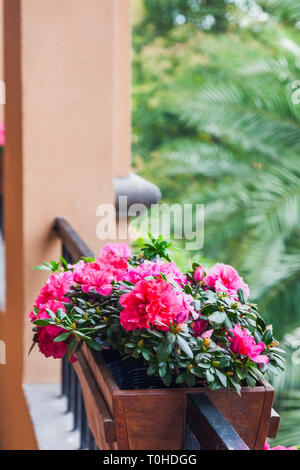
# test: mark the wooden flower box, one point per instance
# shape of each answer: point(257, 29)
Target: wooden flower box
point(154, 419)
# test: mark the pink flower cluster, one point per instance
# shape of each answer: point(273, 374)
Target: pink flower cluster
point(200, 329)
point(110, 266)
point(150, 269)
point(47, 334)
point(154, 303)
point(56, 288)
point(157, 298)
point(222, 278)
point(243, 343)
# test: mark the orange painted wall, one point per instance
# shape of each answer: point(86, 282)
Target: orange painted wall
point(68, 124)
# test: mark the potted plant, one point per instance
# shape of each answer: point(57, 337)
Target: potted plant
point(146, 335)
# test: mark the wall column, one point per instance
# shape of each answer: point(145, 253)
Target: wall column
point(62, 123)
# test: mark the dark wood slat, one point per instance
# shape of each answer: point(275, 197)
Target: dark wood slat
point(72, 241)
point(100, 420)
point(209, 426)
point(274, 424)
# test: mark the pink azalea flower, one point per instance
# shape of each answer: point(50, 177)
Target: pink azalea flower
point(149, 304)
point(52, 304)
point(47, 334)
point(207, 334)
point(199, 327)
point(120, 250)
point(187, 308)
point(56, 288)
point(243, 343)
point(115, 257)
point(268, 447)
point(77, 267)
point(95, 276)
point(2, 133)
point(224, 278)
point(199, 274)
point(150, 269)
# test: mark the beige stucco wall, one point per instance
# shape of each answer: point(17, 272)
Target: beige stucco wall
point(68, 123)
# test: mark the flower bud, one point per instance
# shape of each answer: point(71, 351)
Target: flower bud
point(206, 342)
point(190, 367)
point(215, 363)
point(199, 274)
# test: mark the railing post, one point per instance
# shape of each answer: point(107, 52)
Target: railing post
point(209, 427)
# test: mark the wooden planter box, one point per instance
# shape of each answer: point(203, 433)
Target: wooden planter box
point(155, 419)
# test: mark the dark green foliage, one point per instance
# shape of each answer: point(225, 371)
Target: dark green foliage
point(214, 123)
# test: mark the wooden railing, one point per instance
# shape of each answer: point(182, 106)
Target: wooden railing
point(74, 248)
point(205, 426)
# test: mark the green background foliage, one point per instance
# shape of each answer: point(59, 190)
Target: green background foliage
point(214, 123)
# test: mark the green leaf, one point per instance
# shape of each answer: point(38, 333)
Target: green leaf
point(215, 385)
point(146, 354)
point(237, 387)
point(162, 370)
point(241, 296)
point(64, 262)
point(71, 347)
point(171, 337)
point(94, 345)
point(79, 310)
point(164, 350)
point(60, 314)
point(198, 371)
point(151, 369)
point(167, 379)
point(50, 313)
point(156, 333)
point(222, 377)
point(250, 381)
point(61, 337)
point(272, 368)
point(267, 336)
point(217, 317)
point(224, 361)
point(203, 365)
point(184, 346)
point(54, 265)
point(240, 373)
point(190, 380)
point(197, 305)
point(209, 376)
point(188, 289)
point(44, 267)
point(181, 378)
point(42, 322)
point(31, 347)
